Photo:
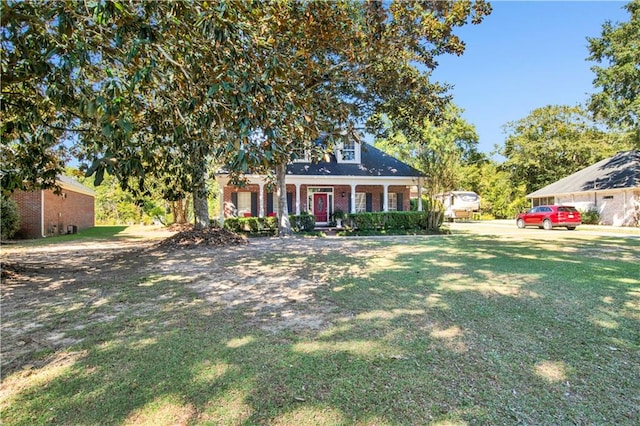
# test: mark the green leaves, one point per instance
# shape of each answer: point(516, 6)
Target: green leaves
point(554, 142)
point(618, 48)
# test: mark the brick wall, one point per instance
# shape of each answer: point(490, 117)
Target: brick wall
point(70, 208)
point(29, 208)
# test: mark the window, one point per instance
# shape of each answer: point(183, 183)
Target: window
point(608, 197)
point(348, 152)
point(361, 202)
point(543, 201)
point(303, 157)
point(244, 203)
point(393, 202)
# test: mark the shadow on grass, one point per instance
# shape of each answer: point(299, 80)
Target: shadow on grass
point(462, 329)
point(112, 232)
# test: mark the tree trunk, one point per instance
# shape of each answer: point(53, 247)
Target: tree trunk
point(179, 210)
point(200, 202)
point(284, 226)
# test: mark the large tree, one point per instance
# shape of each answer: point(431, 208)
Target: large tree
point(162, 88)
point(553, 142)
point(618, 78)
point(439, 149)
point(341, 62)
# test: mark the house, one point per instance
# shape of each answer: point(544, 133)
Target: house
point(610, 186)
point(44, 213)
point(356, 178)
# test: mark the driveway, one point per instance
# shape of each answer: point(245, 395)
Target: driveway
point(507, 227)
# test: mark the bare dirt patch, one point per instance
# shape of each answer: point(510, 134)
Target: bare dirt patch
point(50, 292)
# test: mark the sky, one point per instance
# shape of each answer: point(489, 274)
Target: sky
point(523, 56)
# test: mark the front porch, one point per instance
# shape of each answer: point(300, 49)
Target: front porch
point(319, 197)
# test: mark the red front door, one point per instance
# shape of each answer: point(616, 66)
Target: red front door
point(320, 207)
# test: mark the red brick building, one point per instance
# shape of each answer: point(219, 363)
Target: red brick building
point(356, 178)
point(43, 213)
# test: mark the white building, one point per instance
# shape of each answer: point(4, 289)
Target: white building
point(611, 186)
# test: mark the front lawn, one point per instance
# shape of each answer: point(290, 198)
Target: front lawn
point(396, 330)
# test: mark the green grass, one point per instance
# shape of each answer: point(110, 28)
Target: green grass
point(424, 330)
point(96, 233)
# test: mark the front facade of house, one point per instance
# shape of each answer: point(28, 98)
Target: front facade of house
point(357, 178)
point(44, 213)
point(611, 187)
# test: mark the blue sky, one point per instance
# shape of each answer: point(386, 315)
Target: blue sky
point(524, 56)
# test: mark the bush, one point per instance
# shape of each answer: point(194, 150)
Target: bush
point(252, 225)
point(406, 220)
point(303, 222)
point(590, 217)
point(269, 225)
point(10, 217)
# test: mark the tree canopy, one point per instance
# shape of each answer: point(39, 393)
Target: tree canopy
point(553, 142)
point(618, 78)
point(162, 89)
point(438, 150)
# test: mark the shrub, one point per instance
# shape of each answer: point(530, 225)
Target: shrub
point(304, 222)
point(269, 225)
point(251, 225)
point(590, 217)
point(405, 220)
point(10, 217)
point(339, 214)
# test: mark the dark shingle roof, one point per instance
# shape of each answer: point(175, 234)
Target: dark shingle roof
point(618, 172)
point(374, 163)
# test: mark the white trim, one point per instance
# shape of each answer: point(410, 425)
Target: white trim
point(331, 199)
point(357, 153)
point(353, 198)
point(261, 200)
point(386, 198)
point(331, 180)
point(42, 226)
point(71, 185)
point(297, 198)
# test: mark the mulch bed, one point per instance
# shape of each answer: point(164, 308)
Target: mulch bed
point(212, 237)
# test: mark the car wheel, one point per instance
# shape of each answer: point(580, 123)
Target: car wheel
point(547, 225)
point(520, 223)
point(571, 228)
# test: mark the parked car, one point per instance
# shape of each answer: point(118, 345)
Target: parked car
point(549, 217)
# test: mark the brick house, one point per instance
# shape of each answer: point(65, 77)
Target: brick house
point(357, 178)
point(43, 213)
point(610, 186)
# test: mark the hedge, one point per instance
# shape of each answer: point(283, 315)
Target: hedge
point(404, 220)
point(268, 225)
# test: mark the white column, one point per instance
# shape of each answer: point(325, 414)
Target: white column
point(297, 198)
point(419, 194)
point(221, 191)
point(261, 200)
point(353, 198)
point(386, 198)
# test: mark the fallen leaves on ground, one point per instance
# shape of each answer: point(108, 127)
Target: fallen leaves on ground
point(190, 238)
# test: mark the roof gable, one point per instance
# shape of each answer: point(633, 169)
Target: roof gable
point(618, 172)
point(71, 184)
point(373, 163)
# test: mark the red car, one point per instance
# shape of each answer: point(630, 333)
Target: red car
point(549, 217)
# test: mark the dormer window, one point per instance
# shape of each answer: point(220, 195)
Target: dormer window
point(348, 152)
point(304, 158)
